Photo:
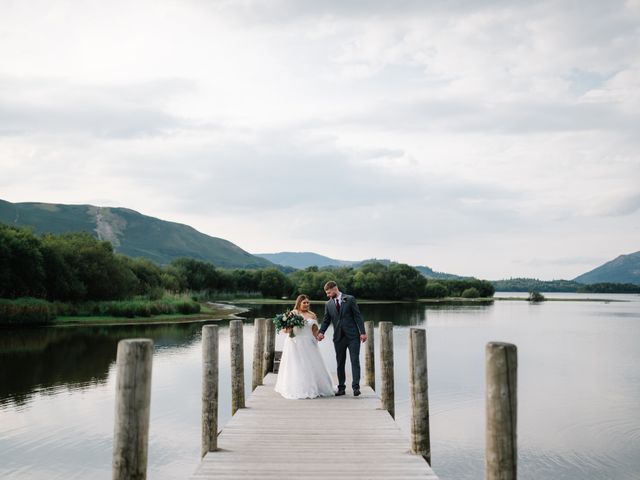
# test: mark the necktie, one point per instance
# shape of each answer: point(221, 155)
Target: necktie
point(338, 305)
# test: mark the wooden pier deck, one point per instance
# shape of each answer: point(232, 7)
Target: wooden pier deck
point(337, 438)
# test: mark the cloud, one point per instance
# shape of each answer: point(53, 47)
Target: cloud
point(54, 107)
point(468, 136)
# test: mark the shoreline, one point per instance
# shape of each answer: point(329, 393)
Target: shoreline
point(230, 310)
point(220, 312)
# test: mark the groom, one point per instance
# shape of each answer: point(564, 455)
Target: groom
point(348, 331)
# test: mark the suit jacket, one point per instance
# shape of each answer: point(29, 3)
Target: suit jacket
point(346, 323)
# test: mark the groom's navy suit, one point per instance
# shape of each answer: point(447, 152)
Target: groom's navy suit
point(347, 328)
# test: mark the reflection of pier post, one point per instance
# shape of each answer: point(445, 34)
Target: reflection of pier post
point(209, 389)
point(418, 391)
point(369, 356)
point(133, 398)
point(237, 365)
point(501, 404)
point(387, 392)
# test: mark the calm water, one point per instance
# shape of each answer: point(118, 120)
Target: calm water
point(579, 390)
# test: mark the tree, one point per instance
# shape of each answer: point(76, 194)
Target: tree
point(21, 264)
point(274, 283)
point(535, 296)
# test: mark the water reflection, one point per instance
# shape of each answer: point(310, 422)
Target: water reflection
point(579, 389)
point(43, 360)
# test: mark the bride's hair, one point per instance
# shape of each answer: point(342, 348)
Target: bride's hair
point(299, 301)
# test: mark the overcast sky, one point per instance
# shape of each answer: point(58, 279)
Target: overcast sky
point(486, 138)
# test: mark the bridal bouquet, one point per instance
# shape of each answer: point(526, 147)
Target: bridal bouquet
point(288, 319)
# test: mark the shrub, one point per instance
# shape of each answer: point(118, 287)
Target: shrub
point(435, 290)
point(471, 293)
point(26, 311)
point(535, 296)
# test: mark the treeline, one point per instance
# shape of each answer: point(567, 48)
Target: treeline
point(533, 284)
point(76, 267)
point(609, 288)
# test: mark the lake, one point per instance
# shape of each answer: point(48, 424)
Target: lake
point(578, 389)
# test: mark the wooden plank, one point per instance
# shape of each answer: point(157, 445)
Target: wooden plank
point(336, 437)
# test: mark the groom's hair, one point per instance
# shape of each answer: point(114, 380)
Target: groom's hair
point(329, 285)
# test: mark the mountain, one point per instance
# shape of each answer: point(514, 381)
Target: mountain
point(309, 259)
point(130, 233)
point(623, 269)
point(303, 260)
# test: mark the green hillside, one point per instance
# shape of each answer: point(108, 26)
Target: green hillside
point(130, 232)
point(623, 269)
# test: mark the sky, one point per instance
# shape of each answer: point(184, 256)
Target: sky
point(488, 138)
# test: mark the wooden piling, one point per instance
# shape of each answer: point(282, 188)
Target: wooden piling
point(259, 330)
point(133, 398)
point(501, 411)
point(386, 367)
point(209, 389)
point(369, 356)
point(269, 347)
point(237, 365)
point(418, 391)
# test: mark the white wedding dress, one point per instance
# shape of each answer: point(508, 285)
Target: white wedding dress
point(302, 372)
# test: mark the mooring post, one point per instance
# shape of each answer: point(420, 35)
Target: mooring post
point(259, 330)
point(269, 347)
point(133, 399)
point(501, 410)
point(419, 390)
point(209, 389)
point(386, 367)
point(237, 365)
point(369, 356)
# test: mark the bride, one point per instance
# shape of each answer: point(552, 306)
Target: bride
point(302, 372)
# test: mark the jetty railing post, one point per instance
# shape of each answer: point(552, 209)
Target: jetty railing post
point(210, 351)
point(419, 389)
point(369, 356)
point(501, 411)
point(269, 347)
point(259, 330)
point(133, 399)
point(387, 392)
point(237, 365)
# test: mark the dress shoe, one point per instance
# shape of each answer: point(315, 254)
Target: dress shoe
point(356, 392)
point(339, 393)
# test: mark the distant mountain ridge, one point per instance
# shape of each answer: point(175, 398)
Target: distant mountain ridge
point(130, 232)
point(622, 269)
point(302, 260)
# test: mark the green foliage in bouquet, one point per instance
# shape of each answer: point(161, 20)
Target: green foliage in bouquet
point(288, 319)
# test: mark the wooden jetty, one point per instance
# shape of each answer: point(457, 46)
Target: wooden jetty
point(346, 437)
point(339, 438)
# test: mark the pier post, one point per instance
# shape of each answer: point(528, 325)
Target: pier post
point(501, 411)
point(209, 389)
point(418, 390)
point(369, 356)
point(237, 365)
point(269, 347)
point(133, 398)
point(259, 330)
point(387, 393)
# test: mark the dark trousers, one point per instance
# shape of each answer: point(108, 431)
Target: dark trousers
point(353, 345)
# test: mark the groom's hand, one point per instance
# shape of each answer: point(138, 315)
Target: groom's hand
point(363, 337)
point(320, 336)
